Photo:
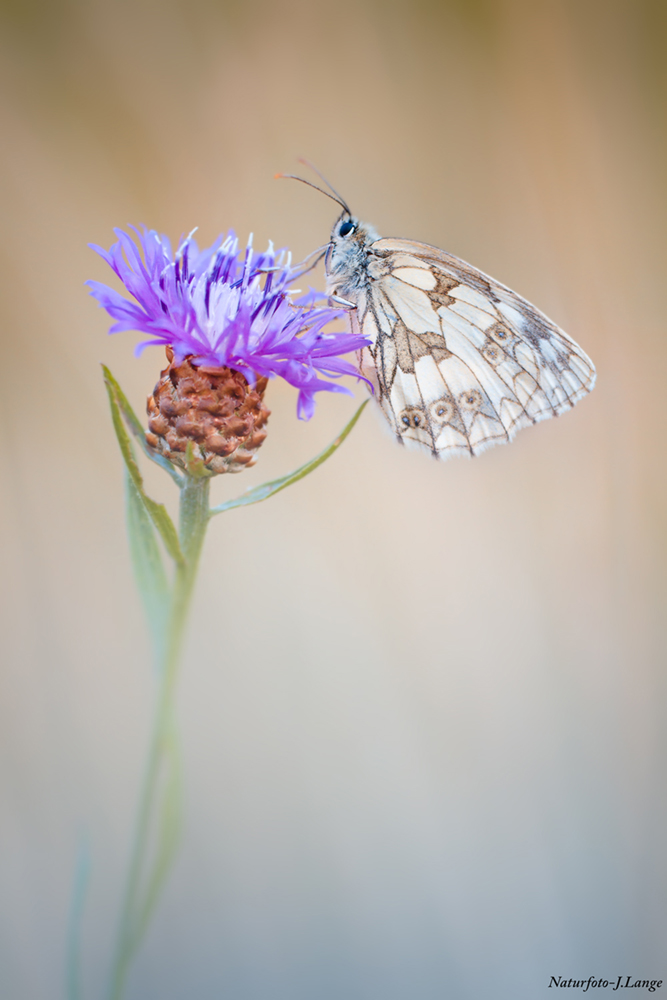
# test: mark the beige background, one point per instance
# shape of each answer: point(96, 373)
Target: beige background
point(422, 707)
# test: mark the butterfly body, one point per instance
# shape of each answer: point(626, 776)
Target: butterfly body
point(458, 361)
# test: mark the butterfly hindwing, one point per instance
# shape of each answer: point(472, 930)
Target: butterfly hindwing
point(458, 361)
point(461, 362)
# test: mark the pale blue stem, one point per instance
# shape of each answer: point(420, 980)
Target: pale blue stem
point(167, 607)
point(194, 517)
point(75, 922)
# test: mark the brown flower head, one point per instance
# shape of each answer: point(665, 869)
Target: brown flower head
point(215, 409)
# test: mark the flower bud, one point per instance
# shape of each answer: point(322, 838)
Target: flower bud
point(214, 408)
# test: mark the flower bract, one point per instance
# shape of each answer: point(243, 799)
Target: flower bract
point(222, 308)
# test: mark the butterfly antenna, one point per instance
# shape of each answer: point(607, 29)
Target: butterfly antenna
point(338, 200)
point(321, 176)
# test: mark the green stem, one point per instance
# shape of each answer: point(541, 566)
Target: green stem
point(194, 518)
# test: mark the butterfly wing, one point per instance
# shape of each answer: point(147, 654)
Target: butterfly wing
point(459, 361)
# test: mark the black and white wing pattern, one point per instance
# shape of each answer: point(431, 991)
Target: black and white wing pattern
point(459, 361)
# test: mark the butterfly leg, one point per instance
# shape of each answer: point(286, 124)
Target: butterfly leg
point(342, 302)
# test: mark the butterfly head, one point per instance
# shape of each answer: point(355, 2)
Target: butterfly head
point(347, 255)
point(348, 231)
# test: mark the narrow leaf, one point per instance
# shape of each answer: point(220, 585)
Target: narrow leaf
point(268, 489)
point(156, 511)
point(148, 567)
point(168, 819)
point(136, 428)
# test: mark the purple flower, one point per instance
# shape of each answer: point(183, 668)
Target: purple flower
point(226, 310)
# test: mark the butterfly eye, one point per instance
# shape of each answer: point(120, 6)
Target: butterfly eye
point(346, 228)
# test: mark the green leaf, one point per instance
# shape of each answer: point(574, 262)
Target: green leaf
point(168, 819)
point(268, 489)
point(136, 428)
point(156, 511)
point(148, 566)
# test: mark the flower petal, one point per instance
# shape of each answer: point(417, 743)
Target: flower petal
point(226, 309)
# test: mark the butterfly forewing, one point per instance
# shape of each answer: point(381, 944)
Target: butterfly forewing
point(459, 361)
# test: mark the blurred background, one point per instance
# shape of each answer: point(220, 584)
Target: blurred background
point(422, 707)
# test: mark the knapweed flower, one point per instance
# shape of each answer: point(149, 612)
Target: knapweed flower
point(229, 324)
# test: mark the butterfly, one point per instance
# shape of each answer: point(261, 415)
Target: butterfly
point(458, 361)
